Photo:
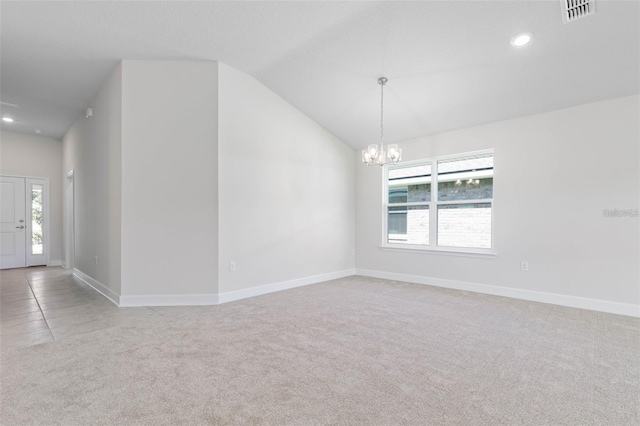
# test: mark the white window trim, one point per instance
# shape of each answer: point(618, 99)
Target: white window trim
point(448, 251)
point(433, 248)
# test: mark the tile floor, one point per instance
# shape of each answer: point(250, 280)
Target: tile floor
point(41, 304)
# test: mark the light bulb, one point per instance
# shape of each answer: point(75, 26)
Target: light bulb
point(373, 151)
point(521, 39)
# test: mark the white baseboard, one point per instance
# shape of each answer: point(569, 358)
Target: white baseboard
point(231, 296)
point(97, 286)
point(55, 262)
point(627, 309)
point(214, 299)
point(169, 300)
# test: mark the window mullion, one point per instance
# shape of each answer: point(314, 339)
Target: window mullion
point(417, 203)
point(472, 201)
point(433, 206)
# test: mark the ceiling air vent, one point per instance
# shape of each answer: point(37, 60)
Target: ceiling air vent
point(573, 10)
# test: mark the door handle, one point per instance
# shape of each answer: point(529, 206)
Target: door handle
point(20, 227)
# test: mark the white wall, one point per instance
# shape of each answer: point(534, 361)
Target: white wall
point(286, 189)
point(169, 172)
point(37, 156)
point(92, 149)
point(554, 174)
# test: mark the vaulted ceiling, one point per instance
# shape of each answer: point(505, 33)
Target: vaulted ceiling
point(450, 64)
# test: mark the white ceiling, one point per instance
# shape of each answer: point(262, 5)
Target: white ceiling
point(449, 64)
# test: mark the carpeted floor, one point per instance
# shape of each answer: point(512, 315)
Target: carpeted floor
point(350, 351)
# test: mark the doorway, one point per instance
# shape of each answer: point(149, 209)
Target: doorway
point(24, 221)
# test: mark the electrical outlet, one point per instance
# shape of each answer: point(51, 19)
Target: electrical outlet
point(524, 266)
point(232, 266)
point(96, 260)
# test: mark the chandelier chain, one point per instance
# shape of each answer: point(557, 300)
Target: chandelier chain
point(382, 112)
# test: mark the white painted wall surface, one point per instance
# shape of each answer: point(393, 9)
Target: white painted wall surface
point(92, 149)
point(38, 156)
point(554, 174)
point(286, 189)
point(169, 172)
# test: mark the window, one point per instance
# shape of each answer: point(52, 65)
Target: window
point(37, 222)
point(409, 189)
point(443, 203)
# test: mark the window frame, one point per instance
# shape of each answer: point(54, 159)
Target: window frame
point(433, 204)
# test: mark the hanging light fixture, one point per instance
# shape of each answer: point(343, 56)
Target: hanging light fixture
point(375, 154)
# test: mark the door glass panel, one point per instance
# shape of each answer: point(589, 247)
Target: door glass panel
point(37, 222)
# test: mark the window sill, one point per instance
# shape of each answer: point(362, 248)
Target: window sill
point(487, 254)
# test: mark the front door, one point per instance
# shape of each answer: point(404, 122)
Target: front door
point(12, 223)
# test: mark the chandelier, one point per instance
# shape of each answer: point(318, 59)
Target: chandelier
point(375, 154)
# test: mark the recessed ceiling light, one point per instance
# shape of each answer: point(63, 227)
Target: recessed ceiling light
point(521, 40)
point(38, 131)
point(7, 119)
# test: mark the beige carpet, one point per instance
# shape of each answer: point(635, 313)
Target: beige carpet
point(350, 351)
